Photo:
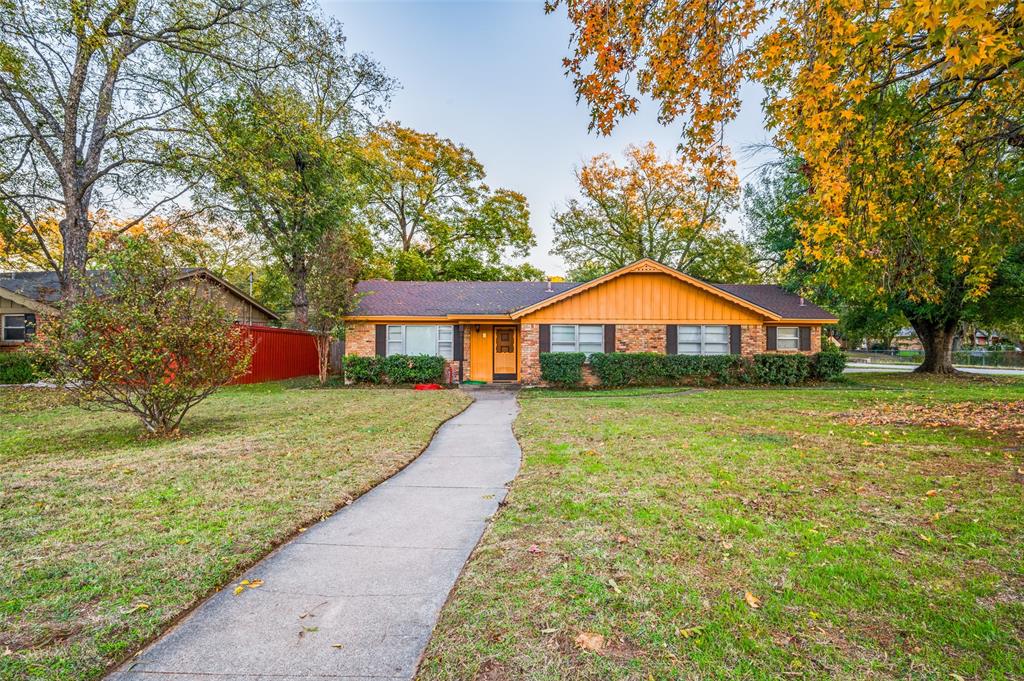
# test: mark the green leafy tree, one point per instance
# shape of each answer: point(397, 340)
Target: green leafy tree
point(725, 258)
point(143, 342)
point(647, 208)
point(280, 150)
point(89, 95)
point(429, 207)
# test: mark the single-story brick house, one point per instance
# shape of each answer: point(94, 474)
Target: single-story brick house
point(26, 295)
point(494, 331)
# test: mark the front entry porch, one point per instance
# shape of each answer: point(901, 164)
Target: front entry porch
point(493, 352)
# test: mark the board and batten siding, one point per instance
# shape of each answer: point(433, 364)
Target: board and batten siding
point(644, 298)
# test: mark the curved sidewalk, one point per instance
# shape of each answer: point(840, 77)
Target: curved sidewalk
point(357, 595)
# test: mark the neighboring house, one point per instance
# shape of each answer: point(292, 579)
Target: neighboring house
point(24, 296)
point(495, 331)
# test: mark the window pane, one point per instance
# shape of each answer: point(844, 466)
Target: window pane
point(14, 327)
point(445, 341)
point(421, 340)
point(591, 334)
point(563, 334)
point(563, 347)
point(689, 348)
point(716, 334)
point(716, 348)
point(689, 334)
point(396, 343)
point(787, 338)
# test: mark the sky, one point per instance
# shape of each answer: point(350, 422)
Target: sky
point(489, 75)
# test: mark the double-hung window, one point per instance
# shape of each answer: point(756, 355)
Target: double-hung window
point(438, 341)
point(703, 340)
point(13, 328)
point(588, 338)
point(787, 338)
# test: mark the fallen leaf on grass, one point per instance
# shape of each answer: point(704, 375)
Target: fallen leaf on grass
point(688, 632)
point(136, 608)
point(588, 640)
point(924, 537)
point(931, 493)
point(752, 600)
point(534, 549)
point(615, 586)
point(550, 631)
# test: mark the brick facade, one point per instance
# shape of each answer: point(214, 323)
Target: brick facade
point(640, 338)
point(529, 353)
point(360, 339)
point(753, 340)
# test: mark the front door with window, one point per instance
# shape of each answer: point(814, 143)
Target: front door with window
point(505, 355)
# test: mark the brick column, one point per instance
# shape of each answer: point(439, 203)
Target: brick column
point(529, 353)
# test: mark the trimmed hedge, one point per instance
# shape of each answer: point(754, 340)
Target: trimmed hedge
point(17, 367)
point(781, 369)
point(394, 369)
point(562, 368)
point(649, 368)
point(828, 364)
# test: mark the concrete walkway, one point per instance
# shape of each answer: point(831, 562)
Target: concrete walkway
point(357, 595)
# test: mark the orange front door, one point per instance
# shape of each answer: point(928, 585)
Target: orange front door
point(505, 355)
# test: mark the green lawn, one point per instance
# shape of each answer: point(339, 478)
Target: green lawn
point(878, 527)
point(105, 537)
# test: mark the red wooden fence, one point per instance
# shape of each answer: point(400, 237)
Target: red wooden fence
point(280, 354)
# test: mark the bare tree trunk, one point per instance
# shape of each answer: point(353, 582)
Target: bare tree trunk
point(300, 298)
point(74, 231)
point(937, 338)
point(323, 351)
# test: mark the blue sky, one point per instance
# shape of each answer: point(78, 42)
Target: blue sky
point(489, 75)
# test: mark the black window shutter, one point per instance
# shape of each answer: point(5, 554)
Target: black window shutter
point(805, 338)
point(457, 332)
point(381, 346)
point(30, 326)
point(609, 338)
point(735, 334)
point(671, 339)
point(545, 338)
point(773, 339)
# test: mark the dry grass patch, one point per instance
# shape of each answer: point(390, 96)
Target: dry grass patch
point(106, 537)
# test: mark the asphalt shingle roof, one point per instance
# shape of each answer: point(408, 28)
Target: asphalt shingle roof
point(385, 298)
point(40, 286)
point(438, 298)
point(777, 299)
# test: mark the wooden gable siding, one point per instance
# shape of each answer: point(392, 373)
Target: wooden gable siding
point(8, 306)
point(643, 298)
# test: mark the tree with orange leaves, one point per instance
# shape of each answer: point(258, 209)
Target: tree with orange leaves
point(907, 118)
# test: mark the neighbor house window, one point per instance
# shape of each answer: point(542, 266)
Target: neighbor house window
point(13, 327)
point(787, 338)
point(588, 338)
point(703, 340)
point(421, 340)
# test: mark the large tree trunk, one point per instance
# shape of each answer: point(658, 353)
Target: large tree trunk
point(300, 299)
point(937, 338)
point(74, 231)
